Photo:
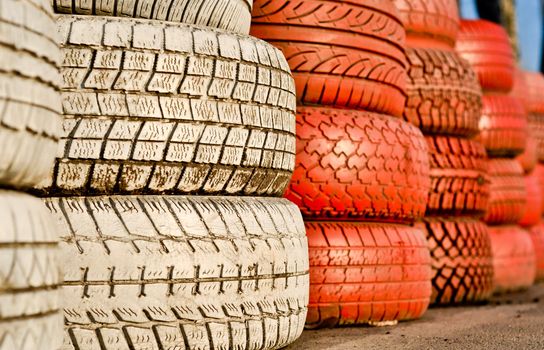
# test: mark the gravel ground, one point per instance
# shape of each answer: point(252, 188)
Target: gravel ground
point(507, 322)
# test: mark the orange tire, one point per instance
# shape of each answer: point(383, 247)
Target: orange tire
point(536, 126)
point(535, 85)
point(366, 272)
point(341, 53)
point(529, 157)
point(520, 89)
point(514, 259)
point(539, 172)
point(537, 236)
point(533, 207)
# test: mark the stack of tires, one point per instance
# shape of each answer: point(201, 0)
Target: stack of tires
point(504, 133)
point(179, 131)
point(444, 100)
point(362, 173)
point(30, 127)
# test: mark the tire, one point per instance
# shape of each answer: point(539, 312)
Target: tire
point(230, 15)
point(537, 237)
point(520, 90)
point(503, 126)
point(508, 194)
point(443, 93)
point(125, 133)
point(363, 273)
point(539, 173)
point(462, 259)
point(342, 54)
point(429, 23)
point(536, 125)
point(358, 165)
point(529, 158)
point(182, 272)
point(30, 122)
point(535, 84)
point(459, 179)
point(513, 258)
point(29, 275)
point(487, 47)
point(533, 207)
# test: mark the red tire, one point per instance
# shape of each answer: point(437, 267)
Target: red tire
point(487, 47)
point(343, 54)
point(459, 180)
point(461, 258)
point(354, 165)
point(503, 126)
point(535, 85)
point(429, 23)
point(536, 126)
point(520, 89)
point(514, 260)
point(539, 173)
point(529, 157)
point(533, 207)
point(537, 236)
point(443, 93)
point(366, 272)
point(508, 195)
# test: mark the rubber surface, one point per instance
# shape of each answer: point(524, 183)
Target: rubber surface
point(508, 199)
point(459, 179)
point(503, 126)
point(161, 272)
point(30, 105)
point(356, 164)
point(535, 84)
point(461, 258)
point(444, 95)
point(533, 208)
point(513, 258)
point(537, 237)
point(30, 274)
point(487, 47)
point(342, 53)
point(366, 272)
point(152, 107)
point(520, 89)
point(529, 158)
point(231, 15)
point(536, 126)
point(539, 172)
point(429, 23)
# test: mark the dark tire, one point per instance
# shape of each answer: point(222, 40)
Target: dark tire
point(366, 272)
point(342, 53)
point(535, 85)
point(444, 96)
point(161, 272)
point(537, 237)
point(462, 259)
point(459, 179)
point(356, 164)
point(487, 47)
point(534, 198)
point(508, 194)
point(230, 15)
point(188, 110)
point(514, 260)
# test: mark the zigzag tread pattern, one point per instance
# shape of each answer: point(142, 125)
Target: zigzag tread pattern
point(366, 272)
point(230, 15)
point(461, 257)
point(185, 272)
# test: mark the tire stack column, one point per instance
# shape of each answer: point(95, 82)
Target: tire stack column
point(504, 133)
point(362, 173)
point(178, 142)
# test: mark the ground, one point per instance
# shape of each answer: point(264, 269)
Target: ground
point(507, 322)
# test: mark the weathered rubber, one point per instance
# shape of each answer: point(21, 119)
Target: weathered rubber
point(155, 107)
point(534, 197)
point(366, 272)
point(461, 258)
point(356, 164)
point(529, 158)
point(514, 260)
point(231, 15)
point(459, 179)
point(342, 53)
point(535, 85)
point(487, 47)
point(443, 93)
point(537, 237)
point(165, 272)
point(30, 274)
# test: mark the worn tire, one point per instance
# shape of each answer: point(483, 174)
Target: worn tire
point(182, 272)
point(30, 106)
point(153, 107)
point(514, 260)
point(443, 93)
point(503, 126)
point(536, 126)
point(487, 47)
point(537, 237)
point(30, 275)
point(231, 15)
point(356, 164)
point(429, 23)
point(459, 179)
point(461, 258)
point(508, 194)
point(362, 273)
point(535, 85)
point(342, 53)
point(529, 158)
point(534, 198)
